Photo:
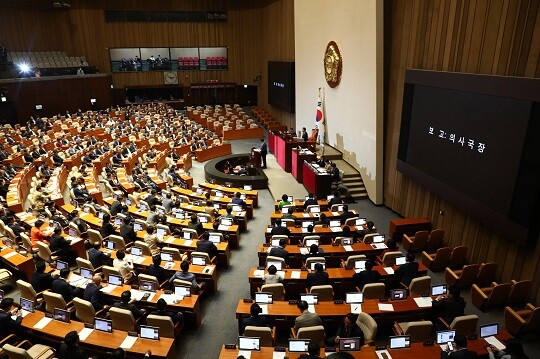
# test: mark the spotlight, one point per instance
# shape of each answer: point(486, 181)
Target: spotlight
point(25, 68)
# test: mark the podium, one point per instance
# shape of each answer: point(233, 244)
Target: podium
point(256, 157)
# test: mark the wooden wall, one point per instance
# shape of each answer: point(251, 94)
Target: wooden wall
point(499, 37)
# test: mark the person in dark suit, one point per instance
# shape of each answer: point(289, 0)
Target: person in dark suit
point(107, 228)
point(63, 246)
point(40, 280)
point(205, 245)
point(346, 214)
point(126, 303)
point(311, 201)
point(347, 329)
point(194, 224)
point(116, 206)
point(97, 257)
point(280, 251)
point(93, 294)
point(369, 230)
point(336, 199)
point(161, 309)
point(408, 271)
point(449, 306)
point(152, 199)
point(304, 134)
point(254, 319)
point(278, 229)
point(366, 276)
point(70, 349)
point(155, 269)
point(334, 172)
point(461, 351)
point(317, 277)
point(313, 351)
point(264, 151)
point(8, 325)
point(238, 200)
point(61, 286)
point(127, 232)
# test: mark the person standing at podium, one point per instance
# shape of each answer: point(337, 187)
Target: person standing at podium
point(264, 151)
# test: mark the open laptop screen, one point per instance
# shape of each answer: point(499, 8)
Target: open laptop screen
point(147, 285)
point(445, 336)
point(360, 264)
point(148, 332)
point(182, 290)
point(263, 298)
point(400, 341)
point(298, 345)
point(335, 223)
point(115, 279)
point(249, 343)
point(400, 260)
point(306, 224)
point(61, 315)
point(61, 265)
point(136, 251)
point(198, 261)
point(103, 325)
point(440, 289)
point(137, 227)
point(354, 298)
point(86, 273)
point(214, 238)
point(276, 264)
point(378, 238)
point(489, 330)
point(167, 257)
point(360, 222)
point(398, 294)
point(27, 304)
point(226, 222)
point(312, 265)
point(310, 298)
point(310, 242)
point(349, 344)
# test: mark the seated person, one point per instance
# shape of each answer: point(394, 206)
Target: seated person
point(278, 229)
point(346, 214)
point(254, 319)
point(93, 294)
point(448, 306)
point(127, 303)
point(152, 240)
point(272, 277)
point(124, 267)
point(70, 349)
point(194, 224)
point(184, 274)
point(229, 214)
point(306, 318)
point(40, 280)
point(280, 251)
point(311, 201)
point(461, 351)
point(336, 199)
point(161, 309)
point(61, 286)
point(155, 269)
point(347, 329)
point(318, 276)
point(284, 201)
point(8, 325)
point(408, 271)
point(62, 246)
point(314, 251)
point(205, 245)
point(39, 235)
point(368, 275)
point(369, 230)
point(238, 200)
point(314, 351)
point(97, 257)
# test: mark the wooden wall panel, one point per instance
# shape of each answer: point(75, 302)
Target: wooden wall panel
point(499, 37)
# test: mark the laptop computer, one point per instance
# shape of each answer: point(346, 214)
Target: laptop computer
point(109, 245)
point(398, 294)
point(27, 305)
point(400, 260)
point(329, 197)
point(142, 207)
point(277, 264)
point(179, 215)
point(148, 332)
point(360, 264)
point(128, 202)
point(306, 224)
point(214, 238)
point(147, 286)
point(137, 227)
point(340, 208)
point(72, 232)
point(290, 199)
point(310, 298)
point(198, 260)
point(310, 242)
point(489, 330)
point(186, 235)
point(349, 344)
point(275, 243)
point(219, 194)
point(61, 265)
point(61, 315)
point(136, 251)
point(354, 298)
point(118, 221)
point(346, 241)
point(226, 222)
point(114, 279)
point(298, 345)
point(249, 343)
point(445, 336)
point(315, 209)
point(237, 208)
point(248, 187)
point(285, 210)
point(182, 290)
point(360, 222)
point(103, 325)
point(400, 341)
point(86, 273)
point(100, 215)
point(378, 239)
point(335, 223)
point(202, 219)
point(440, 289)
point(264, 298)
point(312, 265)
point(161, 232)
point(167, 256)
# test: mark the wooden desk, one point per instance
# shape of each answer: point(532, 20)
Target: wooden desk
point(297, 162)
point(283, 147)
point(190, 306)
point(333, 254)
point(316, 182)
point(98, 341)
point(303, 216)
point(22, 263)
point(243, 133)
point(299, 204)
point(409, 226)
point(332, 314)
point(327, 234)
point(251, 194)
point(213, 152)
point(340, 278)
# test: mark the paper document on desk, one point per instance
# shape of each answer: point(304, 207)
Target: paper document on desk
point(356, 308)
point(336, 229)
point(495, 342)
point(335, 214)
point(74, 278)
point(305, 215)
point(42, 323)
point(348, 248)
point(383, 354)
point(379, 245)
point(389, 270)
point(305, 230)
point(137, 294)
point(386, 307)
point(188, 242)
point(9, 255)
point(223, 228)
point(295, 274)
point(304, 251)
point(245, 353)
point(423, 302)
point(169, 240)
point(189, 206)
point(281, 273)
point(311, 308)
point(108, 288)
point(84, 333)
point(171, 299)
point(128, 342)
point(278, 355)
point(264, 308)
point(258, 273)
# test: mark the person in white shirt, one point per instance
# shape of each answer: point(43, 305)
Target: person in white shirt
point(123, 266)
